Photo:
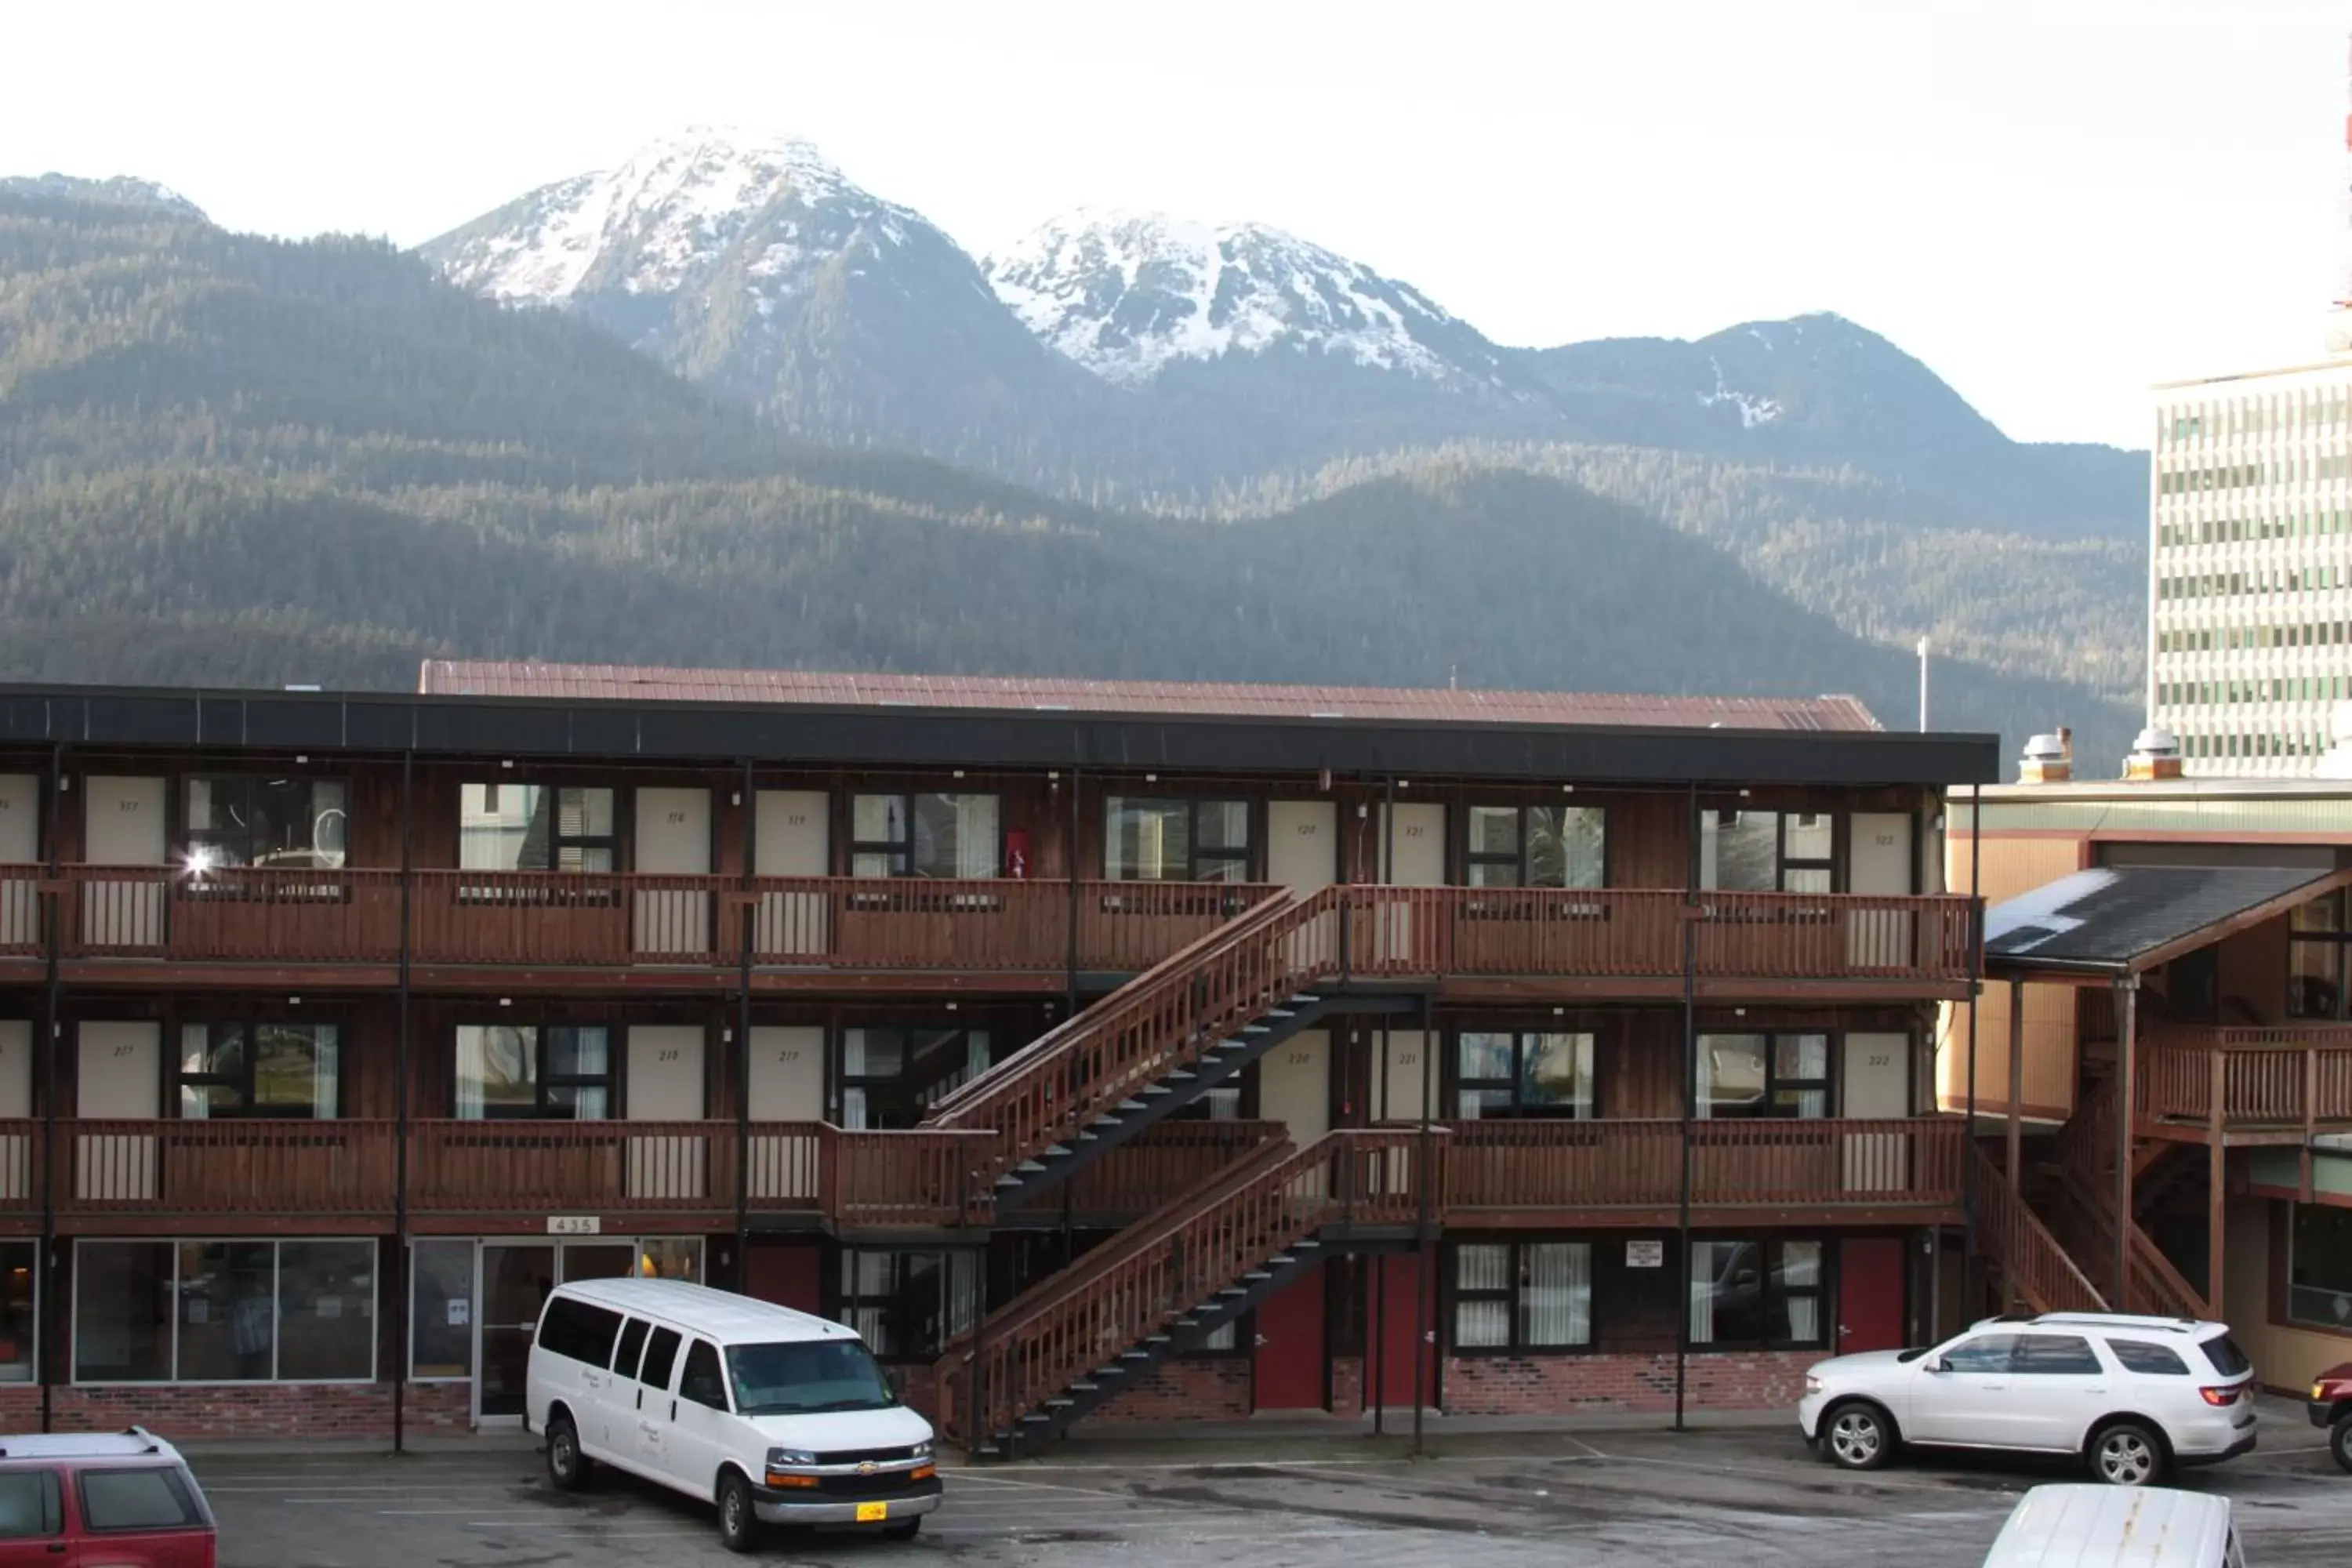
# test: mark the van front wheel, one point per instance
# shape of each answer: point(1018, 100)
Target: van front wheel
point(567, 1466)
point(738, 1524)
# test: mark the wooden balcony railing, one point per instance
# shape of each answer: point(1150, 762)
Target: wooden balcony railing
point(1535, 1166)
point(572, 919)
point(2290, 1075)
point(227, 1168)
point(231, 914)
point(2008, 1232)
point(607, 919)
point(1631, 932)
point(1166, 1160)
point(578, 1167)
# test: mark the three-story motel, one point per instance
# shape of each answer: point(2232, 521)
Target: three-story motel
point(1098, 1050)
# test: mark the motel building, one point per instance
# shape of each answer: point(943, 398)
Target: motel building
point(1284, 1049)
point(2181, 947)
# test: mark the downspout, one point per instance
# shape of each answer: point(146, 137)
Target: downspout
point(45, 1275)
point(1425, 1254)
point(749, 938)
point(1690, 1098)
point(399, 1246)
point(1976, 1005)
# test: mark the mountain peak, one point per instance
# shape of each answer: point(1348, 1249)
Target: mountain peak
point(120, 190)
point(1128, 294)
point(646, 224)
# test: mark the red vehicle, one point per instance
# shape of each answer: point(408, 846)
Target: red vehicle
point(120, 1498)
point(2331, 1406)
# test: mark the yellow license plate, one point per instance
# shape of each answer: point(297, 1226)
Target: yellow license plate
point(873, 1512)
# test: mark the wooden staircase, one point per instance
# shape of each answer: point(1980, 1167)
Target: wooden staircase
point(1154, 1046)
point(1168, 1282)
point(2083, 1207)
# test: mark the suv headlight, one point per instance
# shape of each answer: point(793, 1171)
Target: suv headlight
point(780, 1458)
point(1813, 1384)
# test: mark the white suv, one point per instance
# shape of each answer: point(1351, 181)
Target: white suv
point(2132, 1396)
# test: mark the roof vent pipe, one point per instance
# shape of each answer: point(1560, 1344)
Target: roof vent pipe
point(2155, 755)
point(2048, 759)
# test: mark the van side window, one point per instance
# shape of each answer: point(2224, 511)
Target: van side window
point(30, 1505)
point(575, 1329)
point(631, 1346)
point(2140, 1355)
point(661, 1355)
point(703, 1382)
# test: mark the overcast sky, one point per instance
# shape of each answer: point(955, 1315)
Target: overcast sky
point(2053, 203)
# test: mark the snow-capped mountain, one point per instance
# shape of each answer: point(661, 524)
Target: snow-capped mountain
point(670, 212)
point(752, 263)
point(1128, 294)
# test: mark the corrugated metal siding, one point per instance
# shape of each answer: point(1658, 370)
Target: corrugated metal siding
point(488, 678)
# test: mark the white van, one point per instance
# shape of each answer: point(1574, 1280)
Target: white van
point(778, 1418)
point(2084, 1526)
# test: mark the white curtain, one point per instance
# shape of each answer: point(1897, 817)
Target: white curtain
point(1486, 1267)
point(326, 1071)
point(853, 1065)
point(1556, 1303)
point(1706, 1261)
point(1800, 1269)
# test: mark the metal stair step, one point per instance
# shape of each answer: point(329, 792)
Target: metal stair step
point(1110, 1372)
point(1126, 1107)
point(1305, 999)
point(1280, 1013)
point(1157, 1089)
point(1059, 1404)
point(1029, 1168)
point(1056, 1151)
point(1180, 1075)
point(1254, 1275)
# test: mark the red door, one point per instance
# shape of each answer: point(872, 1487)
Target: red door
point(1870, 1294)
point(1289, 1375)
point(1390, 1376)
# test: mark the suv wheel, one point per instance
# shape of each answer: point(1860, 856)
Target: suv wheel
point(2340, 1440)
point(2126, 1455)
point(1857, 1437)
point(739, 1525)
point(567, 1466)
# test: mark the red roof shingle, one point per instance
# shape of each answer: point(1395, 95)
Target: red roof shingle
point(1015, 693)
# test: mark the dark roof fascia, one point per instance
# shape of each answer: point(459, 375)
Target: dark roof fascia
point(392, 722)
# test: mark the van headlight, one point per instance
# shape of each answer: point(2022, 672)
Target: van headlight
point(781, 1458)
point(921, 1450)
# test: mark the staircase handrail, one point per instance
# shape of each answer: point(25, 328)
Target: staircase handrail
point(1053, 1090)
point(1165, 1266)
point(945, 1111)
point(2012, 1233)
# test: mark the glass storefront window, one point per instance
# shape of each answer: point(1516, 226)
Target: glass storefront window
point(441, 1309)
point(122, 1312)
point(225, 1311)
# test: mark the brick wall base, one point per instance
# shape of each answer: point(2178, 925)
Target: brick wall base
point(1214, 1389)
point(1549, 1386)
point(247, 1410)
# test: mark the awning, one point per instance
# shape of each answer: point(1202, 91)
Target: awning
point(2124, 920)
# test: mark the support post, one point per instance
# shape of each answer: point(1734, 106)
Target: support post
point(402, 1268)
point(1070, 868)
point(2016, 1134)
point(1976, 1005)
point(1425, 1251)
point(2127, 1109)
point(1690, 1099)
point(2217, 1154)
point(749, 935)
point(45, 1283)
point(1379, 1343)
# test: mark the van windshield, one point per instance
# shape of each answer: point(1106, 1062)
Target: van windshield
point(801, 1377)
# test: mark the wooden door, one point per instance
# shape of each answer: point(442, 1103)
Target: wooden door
point(1880, 860)
point(666, 1083)
point(673, 838)
point(20, 846)
point(125, 827)
point(1288, 1360)
point(791, 838)
point(1411, 854)
point(787, 1085)
point(1875, 1083)
point(1294, 1085)
point(1870, 1294)
point(1302, 852)
point(119, 1076)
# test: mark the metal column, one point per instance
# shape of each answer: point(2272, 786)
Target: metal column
point(2127, 1054)
point(402, 1264)
point(1690, 1099)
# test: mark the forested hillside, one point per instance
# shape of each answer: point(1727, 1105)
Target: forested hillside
point(226, 458)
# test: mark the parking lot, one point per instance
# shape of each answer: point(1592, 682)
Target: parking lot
point(1624, 1496)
